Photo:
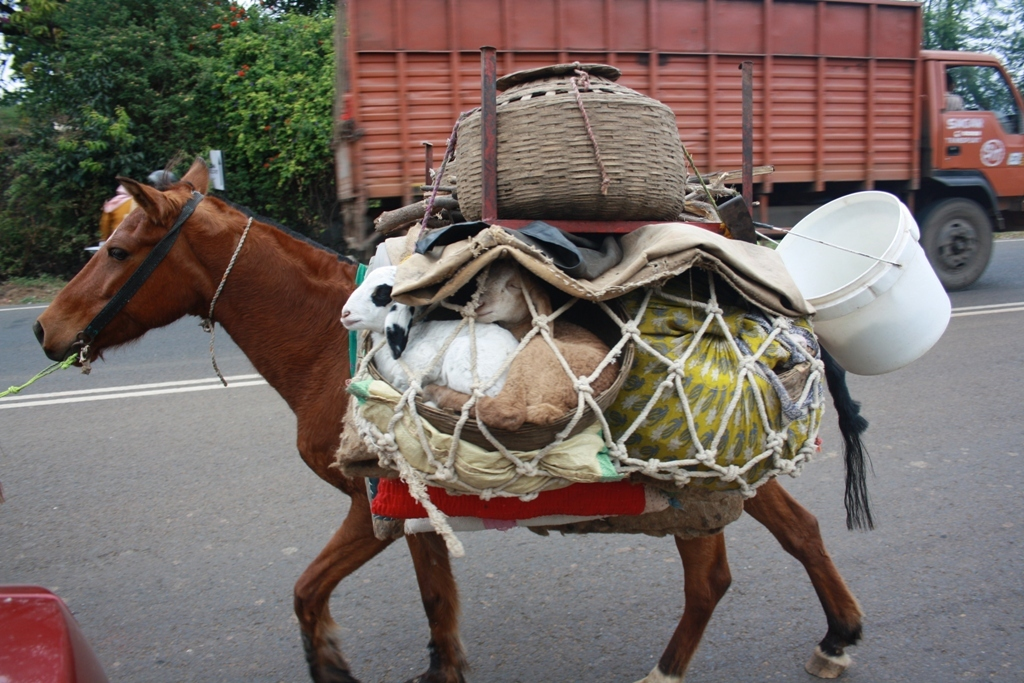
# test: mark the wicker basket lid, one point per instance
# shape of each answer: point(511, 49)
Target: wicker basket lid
point(568, 150)
point(527, 75)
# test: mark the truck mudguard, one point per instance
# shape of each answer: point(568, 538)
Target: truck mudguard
point(969, 178)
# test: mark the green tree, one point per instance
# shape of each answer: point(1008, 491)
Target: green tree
point(106, 88)
point(120, 87)
point(310, 7)
point(1003, 34)
point(275, 78)
point(948, 24)
point(993, 26)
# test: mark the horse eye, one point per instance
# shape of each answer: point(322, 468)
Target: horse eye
point(116, 253)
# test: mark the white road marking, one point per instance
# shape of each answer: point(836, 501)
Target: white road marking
point(129, 391)
point(1012, 307)
point(997, 310)
point(975, 308)
point(22, 308)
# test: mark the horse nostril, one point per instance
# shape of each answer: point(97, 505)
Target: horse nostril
point(38, 329)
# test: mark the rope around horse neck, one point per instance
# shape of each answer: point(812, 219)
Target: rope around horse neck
point(60, 365)
point(207, 323)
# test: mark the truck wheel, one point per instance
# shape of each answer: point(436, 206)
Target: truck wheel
point(956, 234)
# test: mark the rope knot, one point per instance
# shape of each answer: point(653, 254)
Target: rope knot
point(582, 78)
point(681, 477)
point(445, 473)
point(631, 328)
point(583, 386)
point(527, 469)
point(542, 322)
point(651, 467)
point(732, 473)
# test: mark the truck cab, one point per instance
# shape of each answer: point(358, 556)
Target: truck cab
point(972, 161)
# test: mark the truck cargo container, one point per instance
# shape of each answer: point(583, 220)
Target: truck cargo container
point(845, 99)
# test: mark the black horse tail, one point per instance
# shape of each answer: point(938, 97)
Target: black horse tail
point(851, 425)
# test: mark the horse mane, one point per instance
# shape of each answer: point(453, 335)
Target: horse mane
point(288, 231)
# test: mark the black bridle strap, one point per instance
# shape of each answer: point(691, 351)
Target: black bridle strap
point(129, 288)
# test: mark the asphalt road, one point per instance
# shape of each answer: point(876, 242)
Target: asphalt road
point(175, 524)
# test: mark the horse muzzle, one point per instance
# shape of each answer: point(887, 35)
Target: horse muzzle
point(56, 354)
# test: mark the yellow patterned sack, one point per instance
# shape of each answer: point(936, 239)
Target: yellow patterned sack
point(747, 403)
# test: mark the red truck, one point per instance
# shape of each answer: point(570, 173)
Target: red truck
point(845, 100)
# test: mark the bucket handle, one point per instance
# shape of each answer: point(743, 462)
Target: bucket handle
point(789, 231)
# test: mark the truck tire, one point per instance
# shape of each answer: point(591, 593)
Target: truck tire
point(956, 235)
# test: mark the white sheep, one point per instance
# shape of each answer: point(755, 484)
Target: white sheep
point(370, 307)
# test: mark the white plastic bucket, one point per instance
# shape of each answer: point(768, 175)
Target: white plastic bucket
point(873, 317)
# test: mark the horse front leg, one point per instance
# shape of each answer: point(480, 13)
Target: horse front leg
point(706, 579)
point(797, 530)
point(441, 602)
point(352, 546)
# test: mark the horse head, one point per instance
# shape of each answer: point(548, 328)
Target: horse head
point(176, 288)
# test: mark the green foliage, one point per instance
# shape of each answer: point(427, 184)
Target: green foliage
point(1002, 33)
point(113, 88)
point(276, 77)
point(947, 24)
point(309, 7)
point(992, 26)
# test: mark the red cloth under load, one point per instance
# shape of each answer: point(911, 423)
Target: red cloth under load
point(615, 498)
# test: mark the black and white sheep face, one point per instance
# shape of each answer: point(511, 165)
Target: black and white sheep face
point(368, 306)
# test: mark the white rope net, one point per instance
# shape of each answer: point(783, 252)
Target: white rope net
point(723, 394)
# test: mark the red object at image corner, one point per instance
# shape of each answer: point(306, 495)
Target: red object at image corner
point(41, 641)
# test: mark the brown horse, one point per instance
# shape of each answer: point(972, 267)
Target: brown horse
point(281, 305)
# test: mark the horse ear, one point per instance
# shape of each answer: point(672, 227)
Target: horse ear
point(198, 175)
point(149, 199)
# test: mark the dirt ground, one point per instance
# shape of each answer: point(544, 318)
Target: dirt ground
point(20, 291)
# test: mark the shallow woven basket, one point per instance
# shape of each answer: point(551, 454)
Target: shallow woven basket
point(547, 167)
point(532, 437)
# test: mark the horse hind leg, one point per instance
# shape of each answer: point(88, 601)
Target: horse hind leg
point(706, 579)
point(797, 531)
point(352, 545)
point(441, 603)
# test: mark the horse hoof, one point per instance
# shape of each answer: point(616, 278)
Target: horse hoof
point(827, 666)
point(433, 677)
point(657, 677)
point(332, 674)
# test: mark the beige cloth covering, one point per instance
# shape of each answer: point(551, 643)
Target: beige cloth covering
point(651, 255)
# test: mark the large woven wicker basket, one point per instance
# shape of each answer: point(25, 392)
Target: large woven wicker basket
point(533, 437)
point(547, 164)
